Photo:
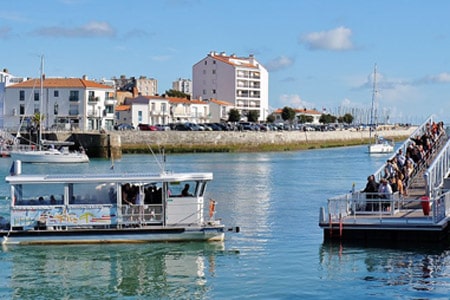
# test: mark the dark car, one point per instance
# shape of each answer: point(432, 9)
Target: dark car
point(124, 126)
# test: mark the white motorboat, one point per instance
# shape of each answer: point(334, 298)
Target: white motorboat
point(381, 145)
point(110, 208)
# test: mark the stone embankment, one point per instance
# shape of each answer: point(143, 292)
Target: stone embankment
point(233, 141)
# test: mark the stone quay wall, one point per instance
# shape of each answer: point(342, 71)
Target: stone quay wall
point(250, 139)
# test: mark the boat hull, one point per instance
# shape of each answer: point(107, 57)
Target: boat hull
point(48, 157)
point(124, 235)
point(380, 148)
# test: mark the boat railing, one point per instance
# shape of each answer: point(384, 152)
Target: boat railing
point(438, 171)
point(142, 214)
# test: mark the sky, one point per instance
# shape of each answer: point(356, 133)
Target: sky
point(320, 54)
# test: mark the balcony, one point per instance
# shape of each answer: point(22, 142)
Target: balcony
point(93, 99)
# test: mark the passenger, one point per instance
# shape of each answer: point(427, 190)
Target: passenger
point(41, 200)
point(385, 192)
point(52, 200)
point(185, 191)
point(371, 189)
point(126, 194)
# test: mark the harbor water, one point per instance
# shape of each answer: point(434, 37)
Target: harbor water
point(279, 253)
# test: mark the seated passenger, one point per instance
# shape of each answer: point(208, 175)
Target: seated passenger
point(185, 192)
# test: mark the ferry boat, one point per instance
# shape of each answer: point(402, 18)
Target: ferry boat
point(110, 208)
point(421, 214)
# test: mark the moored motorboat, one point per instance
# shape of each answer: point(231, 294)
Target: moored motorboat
point(110, 208)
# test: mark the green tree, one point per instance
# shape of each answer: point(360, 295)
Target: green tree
point(347, 118)
point(177, 94)
point(288, 114)
point(270, 118)
point(234, 115)
point(327, 119)
point(253, 115)
point(302, 119)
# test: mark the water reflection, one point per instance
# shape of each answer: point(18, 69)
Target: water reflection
point(421, 269)
point(110, 271)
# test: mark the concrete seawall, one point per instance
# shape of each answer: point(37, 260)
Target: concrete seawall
point(249, 140)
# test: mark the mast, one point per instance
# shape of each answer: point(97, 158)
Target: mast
point(41, 101)
point(373, 111)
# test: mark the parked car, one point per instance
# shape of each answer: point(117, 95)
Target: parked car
point(124, 126)
point(146, 127)
point(162, 127)
point(248, 126)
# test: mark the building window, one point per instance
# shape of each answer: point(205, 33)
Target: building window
point(74, 96)
point(36, 96)
point(36, 108)
point(140, 116)
point(214, 62)
point(204, 92)
point(21, 95)
point(55, 93)
point(73, 110)
point(91, 96)
point(214, 72)
point(22, 109)
point(206, 62)
point(213, 91)
point(55, 109)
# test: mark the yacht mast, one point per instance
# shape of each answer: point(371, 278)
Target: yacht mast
point(41, 101)
point(373, 111)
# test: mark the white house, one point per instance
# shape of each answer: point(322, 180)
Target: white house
point(314, 114)
point(150, 110)
point(219, 110)
point(65, 103)
point(242, 81)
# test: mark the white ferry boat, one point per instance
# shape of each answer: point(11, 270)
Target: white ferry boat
point(110, 208)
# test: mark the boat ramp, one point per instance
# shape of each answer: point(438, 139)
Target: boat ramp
point(420, 214)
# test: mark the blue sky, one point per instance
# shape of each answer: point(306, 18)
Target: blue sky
point(320, 54)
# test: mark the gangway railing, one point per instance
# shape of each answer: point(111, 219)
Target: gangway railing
point(439, 170)
point(418, 132)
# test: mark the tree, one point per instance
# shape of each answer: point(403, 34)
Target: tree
point(288, 114)
point(302, 119)
point(270, 118)
point(327, 119)
point(253, 115)
point(347, 118)
point(177, 94)
point(234, 115)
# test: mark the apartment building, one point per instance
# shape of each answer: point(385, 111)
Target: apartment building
point(183, 85)
point(242, 81)
point(65, 103)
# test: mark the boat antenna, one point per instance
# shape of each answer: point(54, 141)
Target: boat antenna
point(373, 111)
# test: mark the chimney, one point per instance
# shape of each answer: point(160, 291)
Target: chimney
point(85, 77)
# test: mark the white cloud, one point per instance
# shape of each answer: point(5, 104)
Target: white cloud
point(92, 29)
point(280, 63)
point(338, 39)
point(295, 101)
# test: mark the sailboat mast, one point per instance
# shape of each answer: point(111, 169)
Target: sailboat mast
point(373, 111)
point(41, 100)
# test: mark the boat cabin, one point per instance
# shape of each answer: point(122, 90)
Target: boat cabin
point(55, 202)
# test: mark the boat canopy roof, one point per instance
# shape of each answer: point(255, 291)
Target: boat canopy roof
point(107, 178)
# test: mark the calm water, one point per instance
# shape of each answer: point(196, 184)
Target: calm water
point(279, 253)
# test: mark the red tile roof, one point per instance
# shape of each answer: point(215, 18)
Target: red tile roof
point(61, 83)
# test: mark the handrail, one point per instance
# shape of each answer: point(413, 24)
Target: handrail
point(418, 132)
point(438, 170)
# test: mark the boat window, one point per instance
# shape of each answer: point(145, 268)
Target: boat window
point(186, 189)
point(93, 193)
point(38, 194)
